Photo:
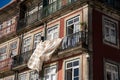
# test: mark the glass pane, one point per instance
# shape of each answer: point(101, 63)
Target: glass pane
point(34, 75)
point(22, 77)
point(76, 19)
point(69, 74)
point(53, 70)
point(109, 76)
point(52, 33)
point(76, 72)
point(69, 65)
point(47, 78)
point(53, 77)
point(70, 22)
point(47, 71)
point(13, 52)
point(75, 63)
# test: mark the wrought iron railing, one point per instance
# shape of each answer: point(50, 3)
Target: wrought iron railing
point(68, 42)
point(22, 58)
point(30, 19)
point(73, 40)
point(42, 13)
point(51, 8)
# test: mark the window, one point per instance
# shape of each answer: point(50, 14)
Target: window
point(110, 31)
point(37, 38)
point(22, 76)
point(9, 78)
point(111, 71)
point(26, 44)
point(3, 54)
point(52, 33)
point(53, 6)
point(9, 22)
point(50, 73)
point(73, 25)
point(13, 49)
point(71, 1)
point(34, 75)
point(72, 71)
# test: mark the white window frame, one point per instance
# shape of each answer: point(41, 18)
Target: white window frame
point(35, 75)
point(3, 55)
point(74, 24)
point(36, 42)
point(25, 74)
point(71, 61)
point(26, 45)
point(110, 40)
point(112, 66)
point(13, 50)
point(50, 73)
point(55, 32)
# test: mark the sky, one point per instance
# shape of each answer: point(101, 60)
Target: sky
point(4, 2)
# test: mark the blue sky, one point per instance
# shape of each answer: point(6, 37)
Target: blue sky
point(4, 2)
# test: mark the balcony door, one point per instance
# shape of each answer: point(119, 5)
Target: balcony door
point(73, 25)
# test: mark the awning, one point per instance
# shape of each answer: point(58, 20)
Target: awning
point(43, 52)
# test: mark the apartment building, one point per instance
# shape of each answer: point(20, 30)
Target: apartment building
point(89, 30)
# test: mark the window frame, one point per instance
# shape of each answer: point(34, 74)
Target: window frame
point(73, 60)
point(52, 35)
point(49, 67)
point(25, 75)
point(34, 75)
point(4, 55)
point(110, 43)
point(23, 46)
point(39, 33)
point(12, 49)
point(113, 63)
point(73, 24)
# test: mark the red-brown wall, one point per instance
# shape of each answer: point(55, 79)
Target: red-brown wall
point(101, 50)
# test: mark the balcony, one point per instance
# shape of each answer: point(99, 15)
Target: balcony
point(8, 30)
point(74, 40)
point(5, 65)
point(47, 12)
point(21, 60)
point(51, 8)
point(30, 19)
point(78, 39)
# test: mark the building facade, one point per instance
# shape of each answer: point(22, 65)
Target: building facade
point(90, 47)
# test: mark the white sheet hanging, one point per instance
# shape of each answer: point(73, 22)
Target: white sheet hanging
point(43, 52)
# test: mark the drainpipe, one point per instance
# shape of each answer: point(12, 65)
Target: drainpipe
point(45, 31)
point(16, 75)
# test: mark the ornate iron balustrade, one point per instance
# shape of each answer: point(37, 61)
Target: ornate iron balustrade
point(51, 8)
point(22, 58)
point(73, 40)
